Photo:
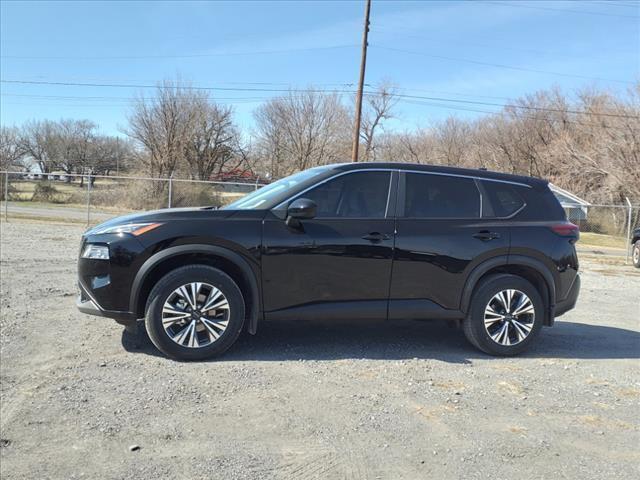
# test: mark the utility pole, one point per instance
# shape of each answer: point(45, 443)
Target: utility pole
point(363, 63)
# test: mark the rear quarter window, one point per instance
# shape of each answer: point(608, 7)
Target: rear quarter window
point(538, 202)
point(500, 199)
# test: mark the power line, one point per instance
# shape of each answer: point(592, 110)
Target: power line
point(537, 7)
point(407, 101)
point(634, 4)
point(498, 65)
point(102, 97)
point(127, 99)
point(134, 85)
point(155, 57)
point(503, 45)
point(289, 91)
point(493, 112)
point(525, 107)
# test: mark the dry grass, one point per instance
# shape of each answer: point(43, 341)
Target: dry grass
point(127, 194)
point(601, 240)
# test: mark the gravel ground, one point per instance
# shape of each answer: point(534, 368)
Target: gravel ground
point(321, 400)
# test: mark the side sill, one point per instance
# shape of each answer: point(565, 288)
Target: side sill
point(421, 309)
point(352, 310)
point(413, 309)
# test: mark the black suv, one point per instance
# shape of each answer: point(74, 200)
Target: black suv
point(364, 240)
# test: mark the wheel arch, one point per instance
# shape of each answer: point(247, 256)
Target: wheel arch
point(529, 268)
point(232, 263)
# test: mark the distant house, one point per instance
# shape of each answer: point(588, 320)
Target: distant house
point(60, 176)
point(577, 209)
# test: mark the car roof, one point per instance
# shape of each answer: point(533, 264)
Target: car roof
point(443, 169)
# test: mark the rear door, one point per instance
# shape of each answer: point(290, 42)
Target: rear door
point(441, 237)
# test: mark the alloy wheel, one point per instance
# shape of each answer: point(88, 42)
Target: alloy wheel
point(509, 317)
point(636, 254)
point(195, 315)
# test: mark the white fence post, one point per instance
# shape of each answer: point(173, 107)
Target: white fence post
point(170, 189)
point(6, 196)
point(89, 200)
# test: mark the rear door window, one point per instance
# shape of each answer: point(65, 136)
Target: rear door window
point(440, 196)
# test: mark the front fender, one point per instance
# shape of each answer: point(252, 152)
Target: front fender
point(248, 273)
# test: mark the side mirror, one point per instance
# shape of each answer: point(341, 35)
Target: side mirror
point(302, 209)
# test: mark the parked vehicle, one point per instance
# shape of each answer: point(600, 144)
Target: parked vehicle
point(358, 241)
point(635, 247)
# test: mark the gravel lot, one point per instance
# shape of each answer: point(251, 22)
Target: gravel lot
point(322, 400)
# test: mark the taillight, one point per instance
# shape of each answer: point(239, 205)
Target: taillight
point(566, 229)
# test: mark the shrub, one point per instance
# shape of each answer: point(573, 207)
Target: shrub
point(45, 192)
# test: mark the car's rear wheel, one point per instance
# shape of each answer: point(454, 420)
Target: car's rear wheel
point(505, 315)
point(194, 312)
point(635, 254)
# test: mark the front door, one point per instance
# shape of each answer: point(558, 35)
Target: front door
point(338, 264)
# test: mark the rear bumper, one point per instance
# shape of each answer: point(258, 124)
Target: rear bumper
point(90, 306)
point(572, 297)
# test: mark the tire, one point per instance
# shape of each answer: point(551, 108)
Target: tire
point(486, 307)
point(183, 331)
point(635, 254)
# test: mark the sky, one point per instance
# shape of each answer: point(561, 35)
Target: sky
point(467, 58)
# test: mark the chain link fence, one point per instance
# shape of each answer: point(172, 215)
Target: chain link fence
point(605, 227)
point(91, 199)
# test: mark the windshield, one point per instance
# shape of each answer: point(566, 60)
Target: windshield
point(262, 198)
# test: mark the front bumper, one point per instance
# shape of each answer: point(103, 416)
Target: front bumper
point(569, 302)
point(90, 306)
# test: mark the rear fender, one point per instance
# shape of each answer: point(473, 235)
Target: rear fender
point(498, 264)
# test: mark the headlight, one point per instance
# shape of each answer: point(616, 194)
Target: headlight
point(96, 252)
point(132, 228)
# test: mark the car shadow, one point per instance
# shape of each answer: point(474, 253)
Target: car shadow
point(397, 340)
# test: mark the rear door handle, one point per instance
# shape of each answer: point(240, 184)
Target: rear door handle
point(486, 235)
point(375, 237)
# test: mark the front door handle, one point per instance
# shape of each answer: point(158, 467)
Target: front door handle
point(375, 237)
point(486, 235)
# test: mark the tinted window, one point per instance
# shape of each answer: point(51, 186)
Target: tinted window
point(354, 195)
point(502, 199)
point(440, 196)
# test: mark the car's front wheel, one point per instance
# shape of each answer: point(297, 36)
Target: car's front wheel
point(505, 315)
point(635, 254)
point(194, 312)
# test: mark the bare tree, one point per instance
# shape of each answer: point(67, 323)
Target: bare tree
point(74, 140)
point(211, 145)
point(452, 136)
point(39, 142)
point(11, 152)
point(161, 125)
point(378, 107)
point(302, 130)
point(110, 155)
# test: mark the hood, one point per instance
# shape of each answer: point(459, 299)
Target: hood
point(170, 214)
